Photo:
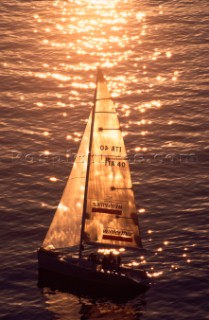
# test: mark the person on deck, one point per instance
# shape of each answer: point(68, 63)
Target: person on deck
point(111, 261)
point(104, 263)
point(118, 263)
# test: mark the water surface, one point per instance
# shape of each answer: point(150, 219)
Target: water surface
point(155, 58)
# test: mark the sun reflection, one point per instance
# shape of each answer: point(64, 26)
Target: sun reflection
point(168, 54)
point(60, 77)
point(89, 33)
point(53, 179)
point(155, 274)
point(101, 35)
point(106, 251)
point(39, 104)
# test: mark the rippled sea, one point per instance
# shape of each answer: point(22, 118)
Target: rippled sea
point(154, 55)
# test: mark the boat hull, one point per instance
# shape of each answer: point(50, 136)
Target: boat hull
point(75, 270)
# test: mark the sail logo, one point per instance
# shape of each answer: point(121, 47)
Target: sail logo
point(107, 207)
point(117, 235)
point(104, 204)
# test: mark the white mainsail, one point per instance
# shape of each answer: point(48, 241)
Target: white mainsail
point(110, 216)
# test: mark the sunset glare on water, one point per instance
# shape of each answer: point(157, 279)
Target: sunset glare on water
point(154, 56)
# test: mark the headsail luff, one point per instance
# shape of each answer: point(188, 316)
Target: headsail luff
point(111, 216)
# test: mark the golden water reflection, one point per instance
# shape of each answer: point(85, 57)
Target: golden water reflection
point(79, 35)
point(64, 305)
point(106, 33)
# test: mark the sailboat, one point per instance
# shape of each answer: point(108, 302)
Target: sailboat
point(94, 236)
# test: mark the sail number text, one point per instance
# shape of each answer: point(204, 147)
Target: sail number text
point(114, 163)
point(110, 148)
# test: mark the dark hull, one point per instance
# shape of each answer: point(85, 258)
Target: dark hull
point(72, 271)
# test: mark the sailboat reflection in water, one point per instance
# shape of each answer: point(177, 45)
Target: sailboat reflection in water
point(96, 219)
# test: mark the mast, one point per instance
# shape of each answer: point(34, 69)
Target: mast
point(99, 75)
